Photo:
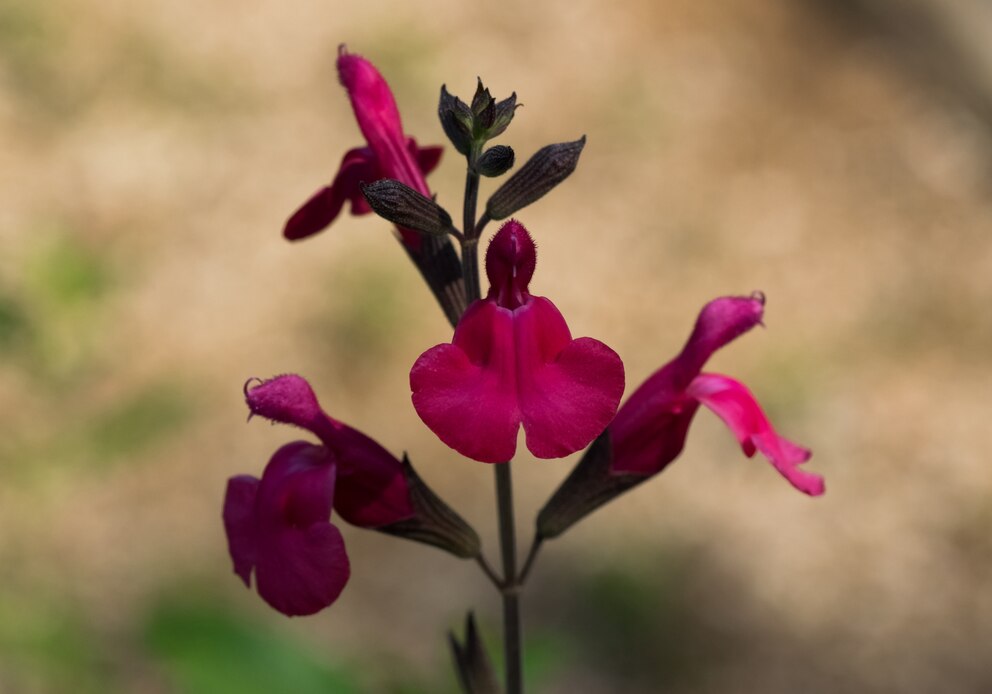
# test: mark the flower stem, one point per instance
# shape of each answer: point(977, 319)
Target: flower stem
point(510, 588)
point(489, 571)
point(470, 269)
point(470, 242)
point(535, 547)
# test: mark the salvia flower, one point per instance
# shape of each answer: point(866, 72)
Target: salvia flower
point(513, 361)
point(279, 525)
point(650, 429)
point(389, 154)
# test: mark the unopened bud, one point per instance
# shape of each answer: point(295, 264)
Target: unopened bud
point(402, 205)
point(456, 120)
point(495, 161)
point(546, 169)
point(475, 669)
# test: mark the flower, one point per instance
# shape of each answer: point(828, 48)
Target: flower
point(513, 361)
point(389, 154)
point(279, 526)
point(650, 429)
point(371, 489)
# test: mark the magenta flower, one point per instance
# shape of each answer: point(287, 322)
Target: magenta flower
point(279, 526)
point(513, 361)
point(389, 154)
point(650, 429)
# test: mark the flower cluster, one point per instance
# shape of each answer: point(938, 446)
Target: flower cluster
point(511, 362)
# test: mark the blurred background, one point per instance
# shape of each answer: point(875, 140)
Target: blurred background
point(835, 154)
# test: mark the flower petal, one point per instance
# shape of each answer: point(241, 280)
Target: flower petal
point(239, 524)
point(568, 389)
point(510, 262)
point(301, 563)
point(649, 431)
point(297, 487)
point(379, 120)
point(371, 487)
point(302, 571)
point(427, 157)
point(287, 399)
point(465, 392)
point(720, 321)
point(646, 447)
point(739, 410)
point(358, 165)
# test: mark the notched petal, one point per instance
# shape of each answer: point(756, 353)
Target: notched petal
point(465, 392)
point(302, 571)
point(324, 206)
point(568, 389)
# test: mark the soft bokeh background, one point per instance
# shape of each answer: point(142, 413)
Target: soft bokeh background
point(837, 155)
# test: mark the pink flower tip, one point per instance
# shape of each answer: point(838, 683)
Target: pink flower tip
point(510, 262)
point(287, 399)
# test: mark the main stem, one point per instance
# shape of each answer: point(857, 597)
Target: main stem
point(510, 587)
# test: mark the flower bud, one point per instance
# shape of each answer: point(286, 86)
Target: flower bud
point(456, 120)
point(495, 161)
point(405, 207)
point(469, 127)
point(546, 169)
point(475, 670)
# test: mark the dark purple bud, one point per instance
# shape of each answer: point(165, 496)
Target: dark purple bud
point(405, 207)
point(546, 169)
point(456, 120)
point(495, 161)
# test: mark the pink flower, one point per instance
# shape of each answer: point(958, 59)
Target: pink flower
point(279, 526)
point(513, 361)
point(650, 429)
point(389, 154)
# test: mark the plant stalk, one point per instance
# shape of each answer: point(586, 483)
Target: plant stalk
point(509, 587)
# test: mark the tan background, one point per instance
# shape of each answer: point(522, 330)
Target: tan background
point(834, 155)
